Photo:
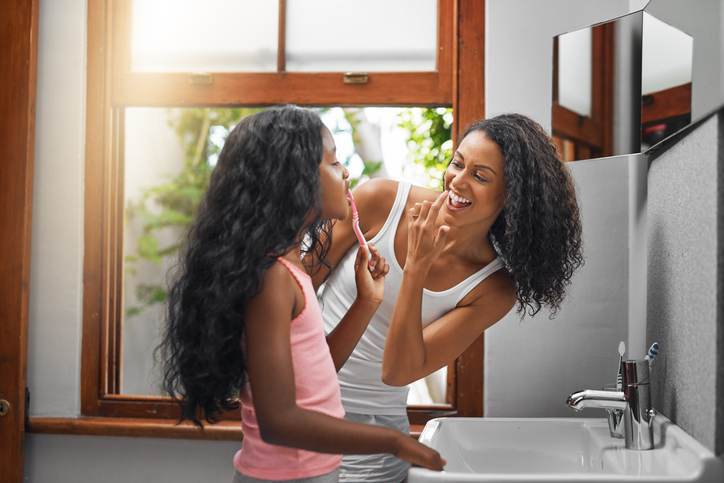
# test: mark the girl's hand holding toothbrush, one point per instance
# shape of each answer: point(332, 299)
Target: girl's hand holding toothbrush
point(370, 275)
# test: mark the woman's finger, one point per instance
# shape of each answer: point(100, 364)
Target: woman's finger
point(436, 205)
point(415, 211)
point(424, 209)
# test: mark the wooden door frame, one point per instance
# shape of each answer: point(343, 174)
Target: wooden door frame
point(17, 123)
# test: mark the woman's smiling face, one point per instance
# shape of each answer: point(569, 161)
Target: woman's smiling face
point(475, 182)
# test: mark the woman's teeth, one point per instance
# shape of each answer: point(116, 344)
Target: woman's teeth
point(458, 201)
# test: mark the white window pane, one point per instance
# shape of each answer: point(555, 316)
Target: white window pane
point(574, 71)
point(204, 36)
point(165, 175)
point(369, 36)
point(431, 389)
point(666, 57)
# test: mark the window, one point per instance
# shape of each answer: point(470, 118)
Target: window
point(148, 67)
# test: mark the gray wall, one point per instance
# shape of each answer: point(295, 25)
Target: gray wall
point(685, 270)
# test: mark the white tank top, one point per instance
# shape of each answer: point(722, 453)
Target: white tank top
point(360, 378)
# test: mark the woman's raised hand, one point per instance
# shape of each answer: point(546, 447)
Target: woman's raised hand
point(370, 275)
point(425, 235)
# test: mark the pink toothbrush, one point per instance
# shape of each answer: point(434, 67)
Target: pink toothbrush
point(355, 223)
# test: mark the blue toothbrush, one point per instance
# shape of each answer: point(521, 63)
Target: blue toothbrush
point(652, 353)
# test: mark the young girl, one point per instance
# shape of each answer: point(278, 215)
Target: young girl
point(243, 315)
point(505, 231)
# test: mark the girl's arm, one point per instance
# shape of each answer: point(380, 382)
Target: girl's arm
point(370, 290)
point(374, 200)
point(271, 375)
point(412, 352)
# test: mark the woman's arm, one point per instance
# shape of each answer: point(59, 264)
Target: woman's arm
point(271, 376)
point(412, 352)
point(442, 341)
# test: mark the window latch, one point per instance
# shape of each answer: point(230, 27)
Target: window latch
point(201, 79)
point(356, 77)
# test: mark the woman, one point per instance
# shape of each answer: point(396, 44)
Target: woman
point(505, 231)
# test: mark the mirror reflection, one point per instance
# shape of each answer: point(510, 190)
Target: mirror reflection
point(666, 75)
point(619, 87)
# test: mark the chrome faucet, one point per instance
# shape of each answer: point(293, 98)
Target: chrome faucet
point(634, 401)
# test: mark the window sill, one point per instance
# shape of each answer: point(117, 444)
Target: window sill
point(146, 428)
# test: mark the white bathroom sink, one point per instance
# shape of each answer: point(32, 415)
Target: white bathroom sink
point(560, 449)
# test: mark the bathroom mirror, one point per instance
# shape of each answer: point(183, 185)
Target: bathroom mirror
point(621, 86)
point(666, 80)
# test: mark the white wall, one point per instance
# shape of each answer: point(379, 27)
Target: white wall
point(519, 49)
point(56, 267)
point(532, 365)
point(95, 459)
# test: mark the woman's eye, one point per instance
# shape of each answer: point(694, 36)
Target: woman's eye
point(481, 178)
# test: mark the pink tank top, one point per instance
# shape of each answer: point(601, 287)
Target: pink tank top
point(317, 389)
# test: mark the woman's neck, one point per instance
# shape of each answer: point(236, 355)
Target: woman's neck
point(470, 243)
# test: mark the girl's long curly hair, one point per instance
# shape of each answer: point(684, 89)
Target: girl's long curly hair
point(258, 204)
point(538, 232)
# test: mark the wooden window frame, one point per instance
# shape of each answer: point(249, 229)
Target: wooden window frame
point(592, 135)
point(458, 82)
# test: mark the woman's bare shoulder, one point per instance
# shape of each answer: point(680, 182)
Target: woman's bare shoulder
point(419, 194)
point(497, 290)
point(374, 200)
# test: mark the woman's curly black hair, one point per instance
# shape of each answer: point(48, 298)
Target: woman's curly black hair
point(538, 232)
point(259, 200)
